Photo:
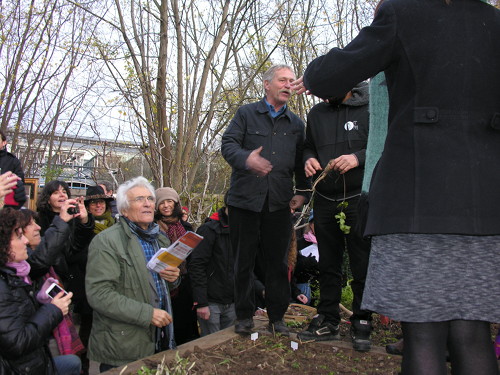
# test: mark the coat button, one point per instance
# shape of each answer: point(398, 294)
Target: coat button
point(431, 114)
point(257, 132)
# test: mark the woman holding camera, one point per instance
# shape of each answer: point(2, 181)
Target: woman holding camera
point(56, 197)
point(25, 326)
point(54, 204)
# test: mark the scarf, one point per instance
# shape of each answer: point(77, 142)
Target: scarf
point(379, 113)
point(22, 270)
point(174, 230)
point(107, 221)
point(172, 226)
point(310, 237)
point(149, 235)
point(66, 336)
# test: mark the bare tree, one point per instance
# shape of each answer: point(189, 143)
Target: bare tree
point(45, 79)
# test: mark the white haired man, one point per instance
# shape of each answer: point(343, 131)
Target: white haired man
point(132, 309)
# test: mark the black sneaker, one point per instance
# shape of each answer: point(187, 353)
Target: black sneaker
point(279, 327)
point(320, 330)
point(360, 334)
point(244, 326)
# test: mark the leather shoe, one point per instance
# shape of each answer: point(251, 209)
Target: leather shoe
point(244, 326)
point(279, 327)
point(395, 348)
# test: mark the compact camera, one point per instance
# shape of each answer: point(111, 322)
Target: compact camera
point(73, 210)
point(54, 289)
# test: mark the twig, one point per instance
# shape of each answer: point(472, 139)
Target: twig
point(345, 309)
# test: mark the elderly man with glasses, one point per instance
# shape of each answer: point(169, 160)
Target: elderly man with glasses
point(132, 309)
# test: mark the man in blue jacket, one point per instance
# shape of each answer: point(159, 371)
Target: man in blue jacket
point(336, 136)
point(263, 144)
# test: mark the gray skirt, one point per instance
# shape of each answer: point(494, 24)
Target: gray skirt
point(434, 277)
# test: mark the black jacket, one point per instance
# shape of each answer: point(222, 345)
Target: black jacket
point(72, 263)
point(282, 139)
point(50, 251)
point(10, 163)
point(335, 130)
point(211, 264)
point(25, 328)
point(438, 172)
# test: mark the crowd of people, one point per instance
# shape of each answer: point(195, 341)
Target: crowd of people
point(402, 176)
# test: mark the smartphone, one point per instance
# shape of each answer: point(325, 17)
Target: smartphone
point(54, 289)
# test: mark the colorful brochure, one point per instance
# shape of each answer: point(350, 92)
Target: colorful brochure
point(175, 253)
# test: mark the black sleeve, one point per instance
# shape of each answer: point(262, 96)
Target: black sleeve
point(50, 248)
point(372, 51)
point(198, 265)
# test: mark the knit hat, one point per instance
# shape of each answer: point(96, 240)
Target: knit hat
point(166, 193)
point(96, 192)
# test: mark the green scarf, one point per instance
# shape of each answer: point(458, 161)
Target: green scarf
point(108, 221)
point(379, 113)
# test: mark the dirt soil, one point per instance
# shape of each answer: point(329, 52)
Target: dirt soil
point(274, 355)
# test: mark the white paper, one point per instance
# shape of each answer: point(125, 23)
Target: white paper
point(311, 250)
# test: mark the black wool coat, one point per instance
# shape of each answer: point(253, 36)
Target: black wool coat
point(439, 171)
point(25, 328)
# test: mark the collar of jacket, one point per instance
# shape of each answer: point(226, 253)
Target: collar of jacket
point(263, 108)
point(10, 277)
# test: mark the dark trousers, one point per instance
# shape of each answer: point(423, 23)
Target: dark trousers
point(331, 245)
point(267, 234)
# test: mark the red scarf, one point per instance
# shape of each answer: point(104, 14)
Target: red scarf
point(172, 227)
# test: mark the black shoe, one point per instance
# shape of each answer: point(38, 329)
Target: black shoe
point(244, 326)
point(360, 334)
point(279, 327)
point(320, 330)
point(395, 348)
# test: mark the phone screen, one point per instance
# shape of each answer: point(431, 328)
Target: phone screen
point(54, 290)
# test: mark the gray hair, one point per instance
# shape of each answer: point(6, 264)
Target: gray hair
point(269, 74)
point(121, 194)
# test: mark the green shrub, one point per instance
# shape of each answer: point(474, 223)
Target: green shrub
point(347, 296)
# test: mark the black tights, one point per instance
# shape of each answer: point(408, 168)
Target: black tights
point(468, 342)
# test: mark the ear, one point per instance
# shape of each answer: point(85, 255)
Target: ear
point(266, 85)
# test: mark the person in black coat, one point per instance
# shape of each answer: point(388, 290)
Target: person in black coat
point(10, 163)
point(25, 327)
point(54, 197)
point(263, 144)
point(336, 138)
point(433, 201)
point(211, 270)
